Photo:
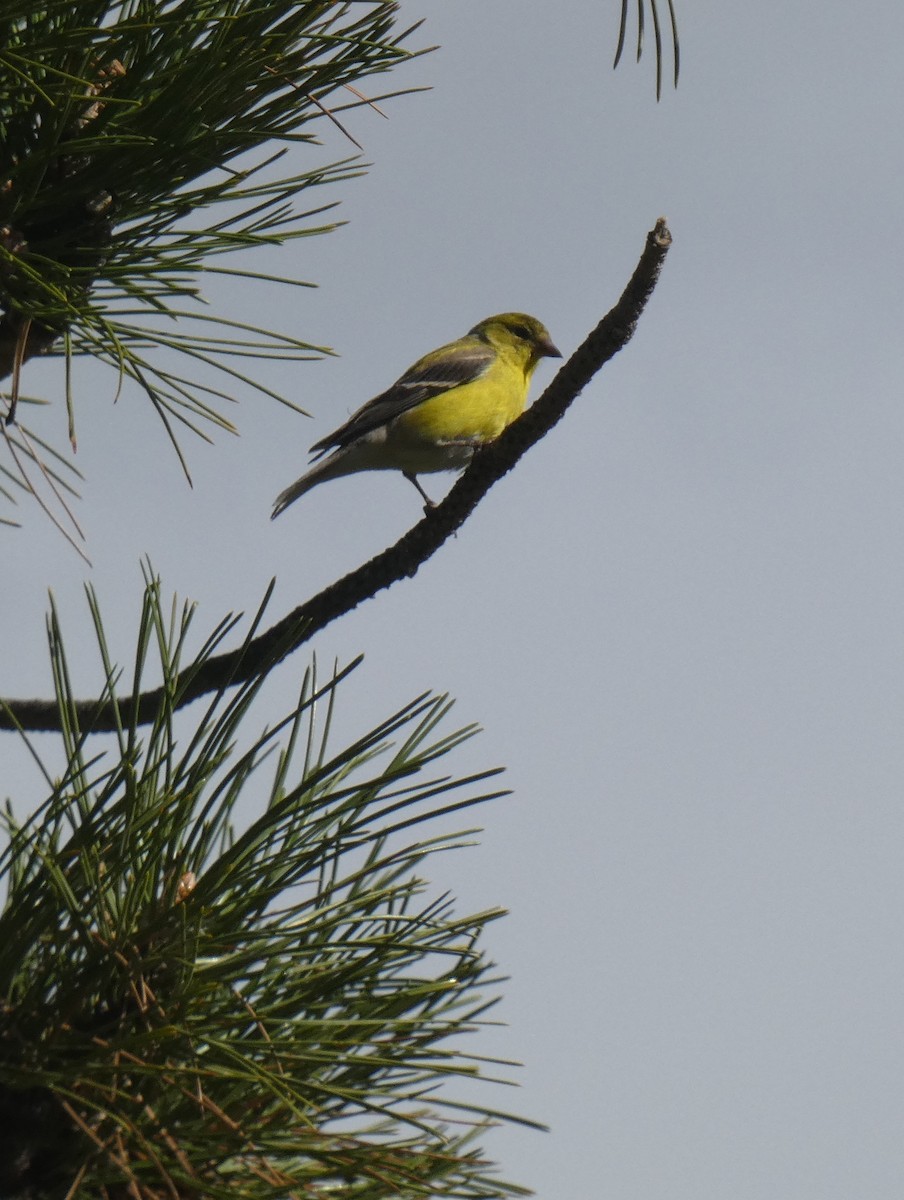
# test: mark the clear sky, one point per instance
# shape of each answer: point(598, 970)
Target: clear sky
point(680, 621)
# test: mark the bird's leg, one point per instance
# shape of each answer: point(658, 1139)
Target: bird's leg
point(412, 478)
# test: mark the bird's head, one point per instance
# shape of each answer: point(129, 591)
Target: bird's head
point(526, 336)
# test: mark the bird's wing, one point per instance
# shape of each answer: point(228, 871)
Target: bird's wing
point(459, 363)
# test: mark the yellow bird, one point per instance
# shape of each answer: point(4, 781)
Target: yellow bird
point(443, 408)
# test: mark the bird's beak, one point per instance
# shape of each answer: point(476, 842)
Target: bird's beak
point(547, 349)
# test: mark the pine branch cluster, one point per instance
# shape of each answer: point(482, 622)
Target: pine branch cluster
point(195, 1008)
point(141, 141)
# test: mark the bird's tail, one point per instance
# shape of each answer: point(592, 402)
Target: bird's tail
point(328, 468)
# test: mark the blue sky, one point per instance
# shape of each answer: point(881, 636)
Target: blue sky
point(678, 621)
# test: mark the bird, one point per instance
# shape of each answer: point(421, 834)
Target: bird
point(448, 404)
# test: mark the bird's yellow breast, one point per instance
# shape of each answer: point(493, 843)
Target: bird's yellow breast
point(473, 412)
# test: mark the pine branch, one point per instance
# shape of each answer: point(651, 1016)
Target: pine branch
point(255, 1013)
point(139, 139)
point(399, 561)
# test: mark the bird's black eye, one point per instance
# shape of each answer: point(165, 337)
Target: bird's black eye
point(522, 331)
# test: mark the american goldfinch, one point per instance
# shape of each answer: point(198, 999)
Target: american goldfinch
point(449, 403)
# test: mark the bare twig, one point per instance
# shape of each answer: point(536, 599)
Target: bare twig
point(397, 562)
